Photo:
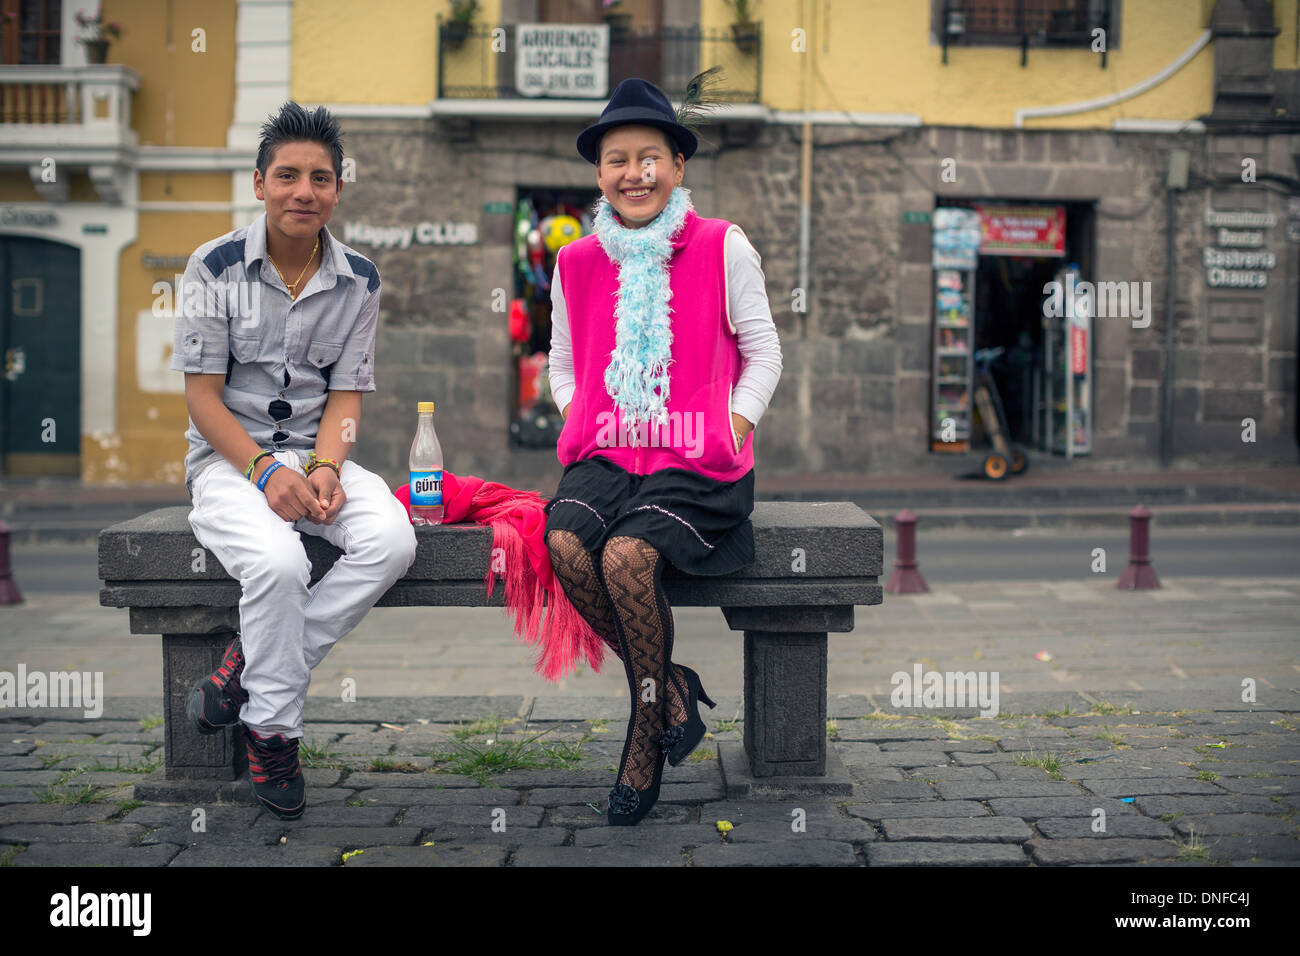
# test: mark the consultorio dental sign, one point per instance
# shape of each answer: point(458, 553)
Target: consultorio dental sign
point(401, 237)
point(1245, 263)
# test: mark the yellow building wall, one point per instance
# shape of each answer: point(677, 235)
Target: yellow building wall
point(878, 58)
point(1286, 53)
point(16, 186)
point(873, 57)
point(186, 98)
point(149, 445)
point(389, 55)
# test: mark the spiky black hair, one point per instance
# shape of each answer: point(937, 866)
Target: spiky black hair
point(293, 124)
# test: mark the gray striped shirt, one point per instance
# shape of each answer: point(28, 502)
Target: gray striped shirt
point(280, 356)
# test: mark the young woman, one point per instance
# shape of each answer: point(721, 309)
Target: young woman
point(664, 357)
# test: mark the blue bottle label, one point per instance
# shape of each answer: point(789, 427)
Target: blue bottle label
point(426, 488)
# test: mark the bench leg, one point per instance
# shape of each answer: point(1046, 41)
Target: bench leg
point(785, 703)
point(190, 754)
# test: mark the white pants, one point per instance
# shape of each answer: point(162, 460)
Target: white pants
point(286, 627)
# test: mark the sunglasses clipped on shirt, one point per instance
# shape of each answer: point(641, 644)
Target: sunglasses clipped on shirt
point(280, 412)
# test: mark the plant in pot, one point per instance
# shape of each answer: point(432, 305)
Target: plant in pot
point(619, 20)
point(455, 30)
point(98, 35)
point(744, 30)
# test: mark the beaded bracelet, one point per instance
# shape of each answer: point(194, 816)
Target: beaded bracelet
point(313, 461)
point(252, 465)
point(261, 482)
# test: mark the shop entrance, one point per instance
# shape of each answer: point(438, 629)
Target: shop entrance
point(992, 262)
point(1009, 314)
point(545, 221)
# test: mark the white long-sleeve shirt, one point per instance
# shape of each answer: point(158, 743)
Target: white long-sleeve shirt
point(750, 316)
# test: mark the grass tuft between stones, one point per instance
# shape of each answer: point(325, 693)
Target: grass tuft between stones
point(1049, 762)
point(64, 791)
point(386, 765)
point(1103, 706)
point(490, 726)
point(8, 856)
point(320, 756)
point(1192, 849)
point(480, 761)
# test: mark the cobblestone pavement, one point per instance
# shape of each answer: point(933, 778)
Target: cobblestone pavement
point(1183, 770)
point(1058, 778)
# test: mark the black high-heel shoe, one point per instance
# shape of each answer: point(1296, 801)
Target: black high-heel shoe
point(680, 739)
point(627, 806)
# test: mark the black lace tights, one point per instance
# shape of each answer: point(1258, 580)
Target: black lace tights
point(625, 604)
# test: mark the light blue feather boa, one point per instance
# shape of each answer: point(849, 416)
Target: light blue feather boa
point(637, 375)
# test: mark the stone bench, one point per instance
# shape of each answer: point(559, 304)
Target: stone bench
point(814, 562)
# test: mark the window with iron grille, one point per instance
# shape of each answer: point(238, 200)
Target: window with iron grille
point(1024, 23)
point(30, 31)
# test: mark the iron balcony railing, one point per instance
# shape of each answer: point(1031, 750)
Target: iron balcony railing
point(1025, 23)
point(472, 66)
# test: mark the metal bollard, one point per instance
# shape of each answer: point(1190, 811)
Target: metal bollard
point(9, 593)
point(1139, 575)
point(906, 578)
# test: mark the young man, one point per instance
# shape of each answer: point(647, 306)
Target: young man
point(277, 342)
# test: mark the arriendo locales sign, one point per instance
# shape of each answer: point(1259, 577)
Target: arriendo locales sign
point(562, 59)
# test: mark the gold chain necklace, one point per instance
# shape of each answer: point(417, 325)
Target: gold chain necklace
point(293, 286)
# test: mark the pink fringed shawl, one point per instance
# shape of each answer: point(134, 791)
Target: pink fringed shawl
point(518, 528)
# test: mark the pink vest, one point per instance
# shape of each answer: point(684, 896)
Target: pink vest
point(706, 361)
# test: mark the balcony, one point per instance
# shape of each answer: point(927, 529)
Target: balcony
point(1024, 23)
point(86, 106)
point(77, 116)
point(470, 69)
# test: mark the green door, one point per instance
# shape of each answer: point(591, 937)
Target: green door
point(40, 335)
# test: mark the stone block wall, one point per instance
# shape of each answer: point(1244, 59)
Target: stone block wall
point(854, 395)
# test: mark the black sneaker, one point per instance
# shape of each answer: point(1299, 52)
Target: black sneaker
point(215, 700)
point(275, 774)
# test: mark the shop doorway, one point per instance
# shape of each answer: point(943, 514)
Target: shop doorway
point(545, 221)
point(1044, 372)
point(1009, 315)
point(40, 337)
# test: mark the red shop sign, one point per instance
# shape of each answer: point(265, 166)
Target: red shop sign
point(1022, 230)
point(1078, 349)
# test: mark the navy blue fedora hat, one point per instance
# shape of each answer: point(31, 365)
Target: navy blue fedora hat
point(640, 102)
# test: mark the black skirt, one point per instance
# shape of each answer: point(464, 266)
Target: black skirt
point(701, 526)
